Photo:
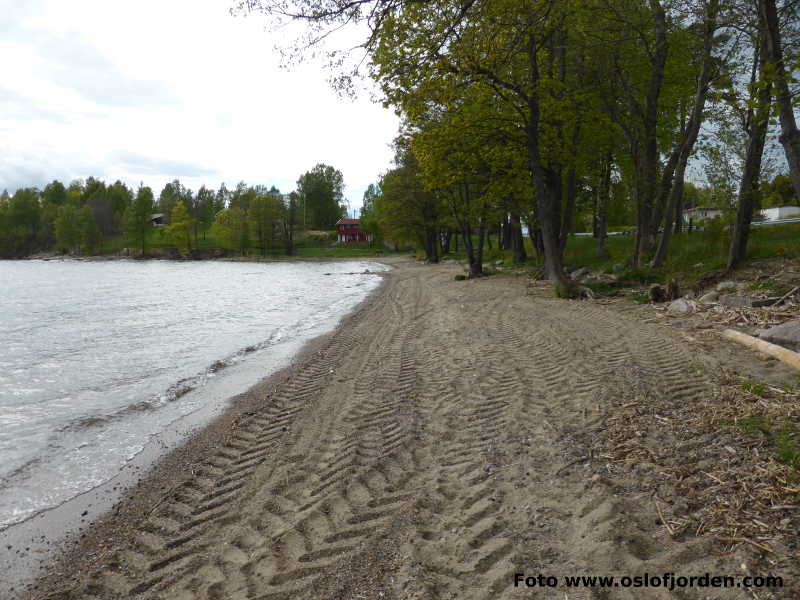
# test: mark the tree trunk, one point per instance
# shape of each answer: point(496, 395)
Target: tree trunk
point(432, 245)
point(535, 233)
point(790, 136)
point(679, 214)
point(686, 145)
point(748, 187)
point(665, 185)
point(603, 197)
point(546, 201)
point(569, 210)
point(448, 235)
point(517, 241)
point(476, 268)
point(648, 160)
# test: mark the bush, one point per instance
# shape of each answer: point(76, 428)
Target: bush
point(460, 277)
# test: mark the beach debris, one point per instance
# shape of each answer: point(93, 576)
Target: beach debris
point(735, 301)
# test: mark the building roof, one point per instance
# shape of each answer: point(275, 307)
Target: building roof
point(348, 221)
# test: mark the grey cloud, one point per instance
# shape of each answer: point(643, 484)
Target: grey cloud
point(73, 64)
point(17, 107)
point(31, 168)
point(146, 165)
point(37, 167)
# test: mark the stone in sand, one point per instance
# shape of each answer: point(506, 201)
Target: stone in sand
point(785, 334)
point(679, 307)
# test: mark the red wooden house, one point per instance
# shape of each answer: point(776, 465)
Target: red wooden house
point(349, 230)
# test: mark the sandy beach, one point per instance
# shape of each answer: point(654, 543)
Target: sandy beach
point(446, 437)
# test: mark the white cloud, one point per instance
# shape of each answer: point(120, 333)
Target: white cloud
point(152, 90)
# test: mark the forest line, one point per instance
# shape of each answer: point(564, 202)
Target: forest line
point(80, 217)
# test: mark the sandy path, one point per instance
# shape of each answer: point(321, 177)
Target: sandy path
point(442, 440)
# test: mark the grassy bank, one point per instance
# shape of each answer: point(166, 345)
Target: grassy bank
point(309, 246)
point(690, 253)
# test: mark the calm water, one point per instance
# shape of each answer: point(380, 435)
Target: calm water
point(97, 357)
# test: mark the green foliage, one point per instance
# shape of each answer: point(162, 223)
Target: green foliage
point(138, 218)
point(321, 193)
point(181, 228)
point(67, 228)
point(89, 232)
point(231, 228)
point(460, 277)
point(263, 219)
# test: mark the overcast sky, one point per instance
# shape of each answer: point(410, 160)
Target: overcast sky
point(160, 89)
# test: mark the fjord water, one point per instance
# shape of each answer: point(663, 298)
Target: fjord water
point(97, 357)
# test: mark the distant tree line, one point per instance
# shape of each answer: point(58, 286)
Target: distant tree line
point(78, 218)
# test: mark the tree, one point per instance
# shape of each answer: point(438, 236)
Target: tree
point(368, 219)
point(138, 218)
point(54, 193)
point(230, 227)
point(757, 124)
point(205, 209)
point(685, 147)
point(222, 198)
point(321, 192)
point(120, 198)
point(88, 231)
point(67, 228)
point(241, 196)
point(288, 222)
point(170, 195)
point(773, 48)
point(780, 192)
point(181, 228)
point(263, 219)
point(405, 209)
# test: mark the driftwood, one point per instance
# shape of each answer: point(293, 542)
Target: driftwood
point(790, 357)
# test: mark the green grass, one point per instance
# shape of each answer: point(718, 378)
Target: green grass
point(342, 251)
point(690, 253)
point(752, 387)
point(310, 246)
point(783, 436)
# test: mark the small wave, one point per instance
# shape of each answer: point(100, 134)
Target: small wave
point(101, 420)
point(20, 470)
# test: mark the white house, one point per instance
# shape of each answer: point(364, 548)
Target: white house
point(780, 212)
point(700, 213)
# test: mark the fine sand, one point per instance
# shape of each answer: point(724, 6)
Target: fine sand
point(446, 436)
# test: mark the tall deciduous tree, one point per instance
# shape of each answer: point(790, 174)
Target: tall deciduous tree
point(790, 136)
point(181, 228)
point(231, 228)
point(139, 218)
point(757, 124)
point(321, 192)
